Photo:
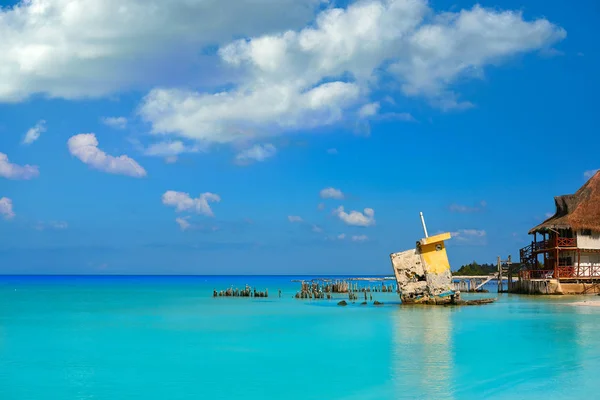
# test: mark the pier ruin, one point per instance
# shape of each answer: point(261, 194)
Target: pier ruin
point(423, 273)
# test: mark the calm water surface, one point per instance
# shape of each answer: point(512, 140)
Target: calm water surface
point(167, 338)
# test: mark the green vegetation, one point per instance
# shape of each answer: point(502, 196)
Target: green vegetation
point(476, 269)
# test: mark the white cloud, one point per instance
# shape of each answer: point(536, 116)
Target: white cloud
point(184, 202)
point(115, 122)
point(34, 133)
point(257, 152)
point(331, 193)
point(84, 146)
point(368, 110)
point(463, 209)
point(356, 218)
point(319, 75)
point(294, 218)
point(456, 45)
point(56, 225)
point(590, 173)
point(183, 223)
point(470, 236)
point(169, 149)
point(14, 171)
point(81, 48)
point(360, 238)
point(395, 116)
point(321, 206)
point(6, 208)
point(341, 236)
point(317, 229)
point(548, 214)
point(171, 159)
point(230, 116)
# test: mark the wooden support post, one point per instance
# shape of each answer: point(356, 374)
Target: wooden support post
point(499, 275)
point(536, 264)
point(556, 263)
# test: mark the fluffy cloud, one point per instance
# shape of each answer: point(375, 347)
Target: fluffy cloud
point(34, 133)
point(470, 236)
point(14, 171)
point(590, 173)
point(256, 153)
point(341, 236)
point(294, 218)
point(184, 202)
point(115, 122)
point(318, 75)
point(183, 223)
point(368, 110)
point(230, 116)
point(6, 208)
point(356, 218)
point(169, 149)
point(84, 146)
point(331, 193)
point(82, 48)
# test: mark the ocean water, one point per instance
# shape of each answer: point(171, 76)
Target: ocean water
point(168, 338)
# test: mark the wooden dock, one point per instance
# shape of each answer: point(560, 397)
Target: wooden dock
point(475, 283)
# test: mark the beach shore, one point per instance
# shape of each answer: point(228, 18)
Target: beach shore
point(586, 303)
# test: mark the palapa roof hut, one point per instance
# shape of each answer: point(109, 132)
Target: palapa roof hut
point(577, 211)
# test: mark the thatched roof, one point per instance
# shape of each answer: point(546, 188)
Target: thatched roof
point(576, 211)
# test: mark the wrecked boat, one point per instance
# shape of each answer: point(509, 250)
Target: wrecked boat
point(423, 274)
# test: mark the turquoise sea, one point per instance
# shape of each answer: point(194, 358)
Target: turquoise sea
point(168, 338)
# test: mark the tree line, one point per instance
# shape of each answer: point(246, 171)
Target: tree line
point(475, 268)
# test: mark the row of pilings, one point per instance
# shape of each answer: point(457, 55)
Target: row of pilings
point(246, 292)
point(316, 289)
point(469, 285)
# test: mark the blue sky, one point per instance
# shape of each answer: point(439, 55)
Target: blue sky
point(146, 137)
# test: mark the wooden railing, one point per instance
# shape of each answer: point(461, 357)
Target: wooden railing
point(562, 272)
point(543, 245)
point(566, 242)
point(586, 271)
point(553, 243)
point(565, 272)
point(536, 274)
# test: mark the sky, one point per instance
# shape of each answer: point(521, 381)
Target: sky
point(288, 136)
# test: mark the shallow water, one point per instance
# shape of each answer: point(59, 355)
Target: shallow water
point(167, 338)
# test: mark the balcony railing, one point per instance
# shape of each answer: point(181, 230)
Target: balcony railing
point(553, 243)
point(536, 274)
point(543, 245)
point(566, 272)
point(566, 242)
point(563, 272)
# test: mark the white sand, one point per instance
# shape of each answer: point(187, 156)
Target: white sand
point(586, 303)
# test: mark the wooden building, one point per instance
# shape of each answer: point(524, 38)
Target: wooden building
point(566, 246)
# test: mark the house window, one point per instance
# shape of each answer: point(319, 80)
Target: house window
point(586, 232)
